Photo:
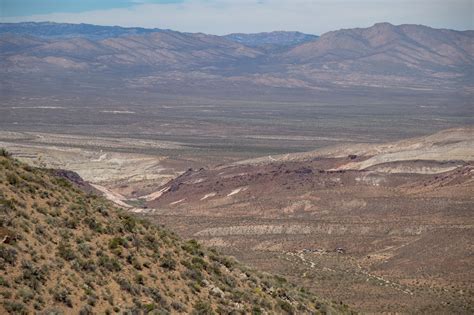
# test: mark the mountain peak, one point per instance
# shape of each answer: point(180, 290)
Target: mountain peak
point(383, 25)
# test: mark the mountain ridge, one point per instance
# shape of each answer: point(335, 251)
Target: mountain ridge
point(271, 39)
point(383, 56)
point(55, 30)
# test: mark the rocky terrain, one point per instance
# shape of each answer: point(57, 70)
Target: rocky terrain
point(445, 146)
point(391, 236)
point(66, 251)
point(382, 227)
point(98, 159)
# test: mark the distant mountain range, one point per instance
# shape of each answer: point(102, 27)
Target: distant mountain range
point(383, 56)
point(53, 30)
point(271, 39)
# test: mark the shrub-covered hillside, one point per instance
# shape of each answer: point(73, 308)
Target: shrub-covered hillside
point(63, 251)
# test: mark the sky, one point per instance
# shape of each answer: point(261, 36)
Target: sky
point(248, 16)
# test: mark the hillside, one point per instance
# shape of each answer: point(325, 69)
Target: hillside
point(450, 145)
point(404, 50)
point(387, 228)
point(384, 42)
point(164, 49)
point(65, 251)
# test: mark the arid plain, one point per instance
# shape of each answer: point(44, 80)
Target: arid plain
point(348, 170)
point(378, 225)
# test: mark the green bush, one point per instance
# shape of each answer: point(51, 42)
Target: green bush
point(7, 256)
point(223, 260)
point(256, 310)
point(86, 310)
point(151, 242)
point(156, 295)
point(129, 223)
point(4, 282)
point(116, 242)
point(111, 264)
point(229, 281)
point(33, 276)
point(202, 308)
point(280, 280)
point(26, 294)
point(15, 307)
point(71, 223)
point(140, 279)
point(215, 268)
point(6, 205)
point(62, 295)
point(102, 210)
point(194, 274)
point(168, 262)
point(193, 248)
point(178, 306)
point(133, 260)
point(93, 225)
point(149, 307)
point(13, 179)
point(84, 249)
point(62, 182)
point(125, 285)
point(199, 263)
point(66, 252)
point(87, 265)
point(286, 307)
point(5, 153)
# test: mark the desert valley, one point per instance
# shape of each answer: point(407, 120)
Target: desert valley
point(342, 163)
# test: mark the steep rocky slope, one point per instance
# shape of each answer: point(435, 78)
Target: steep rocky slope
point(64, 251)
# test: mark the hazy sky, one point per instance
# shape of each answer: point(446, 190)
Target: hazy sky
point(250, 16)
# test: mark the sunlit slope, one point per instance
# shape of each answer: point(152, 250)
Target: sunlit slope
point(65, 251)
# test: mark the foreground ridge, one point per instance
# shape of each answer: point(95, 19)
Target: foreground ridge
point(66, 251)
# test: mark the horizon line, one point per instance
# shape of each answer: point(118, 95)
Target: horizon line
point(251, 33)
